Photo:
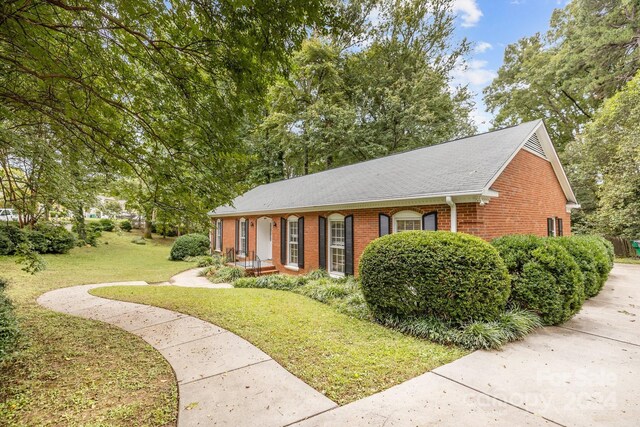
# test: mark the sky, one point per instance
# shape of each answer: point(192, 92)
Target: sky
point(491, 25)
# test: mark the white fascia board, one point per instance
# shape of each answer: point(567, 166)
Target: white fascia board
point(436, 199)
point(552, 155)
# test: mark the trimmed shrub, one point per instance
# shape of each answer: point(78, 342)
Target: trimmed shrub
point(602, 253)
point(584, 254)
point(544, 276)
point(51, 239)
point(11, 236)
point(227, 275)
point(107, 225)
point(125, 225)
point(452, 276)
point(189, 245)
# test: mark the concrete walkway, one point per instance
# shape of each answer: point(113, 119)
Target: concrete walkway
point(222, 379)
point(192, 279)
point(586, 372)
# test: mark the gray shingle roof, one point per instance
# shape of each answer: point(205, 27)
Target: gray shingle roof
point(462, 166)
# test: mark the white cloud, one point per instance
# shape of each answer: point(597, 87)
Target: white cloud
point(482, 47)
point(473, 73)
point(468, 11)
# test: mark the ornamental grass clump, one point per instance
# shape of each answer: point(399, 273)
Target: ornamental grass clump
point(454, 277)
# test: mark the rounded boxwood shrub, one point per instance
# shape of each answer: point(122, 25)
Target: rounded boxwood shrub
point(544, 276)
point(11, 236)
point(453, 276)
point(126, 225)
point(51, 239)
point(107, 225)
point(584, 254)
point(189, 245)
point(602, 251)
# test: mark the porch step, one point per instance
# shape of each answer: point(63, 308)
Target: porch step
point(253, 271)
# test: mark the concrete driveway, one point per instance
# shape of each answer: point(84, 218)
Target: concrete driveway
point(583, 373)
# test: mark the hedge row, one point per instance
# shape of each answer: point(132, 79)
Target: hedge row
point(459, 278)
point(43, 238)
point(554, 276)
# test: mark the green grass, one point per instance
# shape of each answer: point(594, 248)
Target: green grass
point(343, 357)
point(628, 260)
point(72, 371)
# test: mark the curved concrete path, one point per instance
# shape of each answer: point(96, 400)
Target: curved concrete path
point(586, 372)
point(192, 279)
point(222, 378)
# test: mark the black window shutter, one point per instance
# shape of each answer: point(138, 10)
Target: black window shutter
point(384, 225)
point(322, 242)
point(549, 227)
point(430, 221)
point(246, 237)
point(283, 240)
point(237, 246)
point(214, 235)
point(348, 245)
point(221, 234)
point(559, 227)
point(301, 242)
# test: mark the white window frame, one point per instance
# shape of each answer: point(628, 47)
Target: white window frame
point(407, 216)
point(290, 262)
point(335, 218)
point(242, 237)
point(218, 232)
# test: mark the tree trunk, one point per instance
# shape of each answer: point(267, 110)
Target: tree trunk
point(147, 229)
point(81, 230)
point(149, 219)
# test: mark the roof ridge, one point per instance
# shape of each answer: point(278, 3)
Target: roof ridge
point(399, 153)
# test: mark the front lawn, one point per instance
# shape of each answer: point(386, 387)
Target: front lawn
point(343, 357)
point(73, 371)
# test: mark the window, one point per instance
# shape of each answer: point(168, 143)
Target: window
point(336, 245)
point(407, 221)
point(242, 237)
point(219, 235)
point(292, 237)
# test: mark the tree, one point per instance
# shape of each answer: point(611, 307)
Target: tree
point(607, 158)
point(155, 90)
point(349, 100)
point(590, 52)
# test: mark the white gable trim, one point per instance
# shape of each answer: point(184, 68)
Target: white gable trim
point(552, 157)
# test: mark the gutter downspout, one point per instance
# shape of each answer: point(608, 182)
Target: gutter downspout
point(454, 214)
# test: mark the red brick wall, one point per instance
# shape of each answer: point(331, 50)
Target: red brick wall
point(529, 193)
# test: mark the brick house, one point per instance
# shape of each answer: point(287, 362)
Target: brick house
point(508, 181)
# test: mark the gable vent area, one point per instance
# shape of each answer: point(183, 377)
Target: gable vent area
point(533, 144)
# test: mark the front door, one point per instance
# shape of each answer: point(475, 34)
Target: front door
point(263, 234)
